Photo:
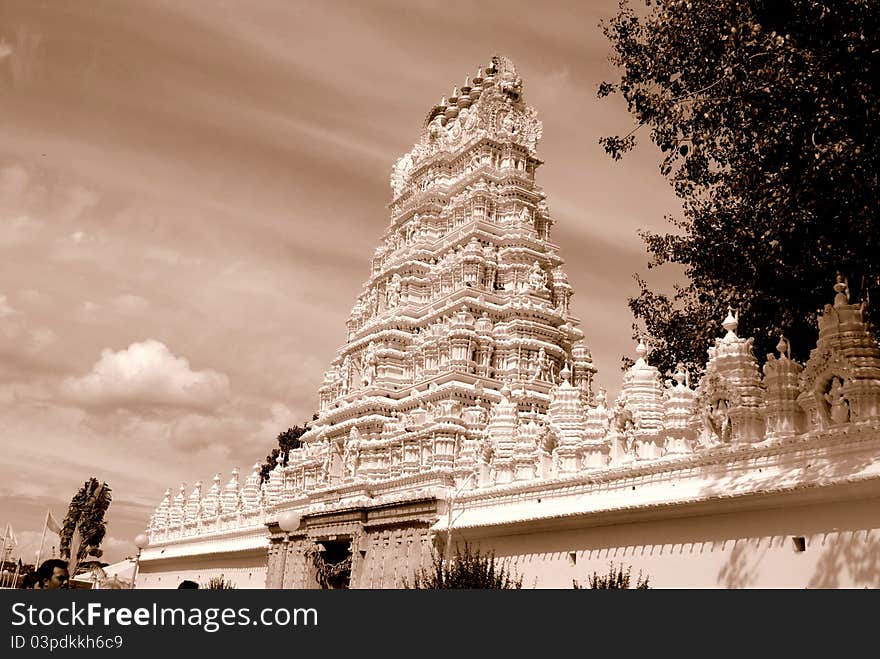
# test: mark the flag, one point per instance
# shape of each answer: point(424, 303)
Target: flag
point(9, 535)
point(52, 524)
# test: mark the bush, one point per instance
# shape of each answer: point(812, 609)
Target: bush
point(616, 579)
point(468, 569)
point(219, 583)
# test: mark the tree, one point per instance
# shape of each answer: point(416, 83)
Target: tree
point(766, 111)
point(84, 526)
point(616, 579)
point(332, 565)
point(287, 441)
point(469, 569)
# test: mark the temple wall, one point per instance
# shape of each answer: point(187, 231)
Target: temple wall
point(743, 549)
point(245, 569)
point(748, 549)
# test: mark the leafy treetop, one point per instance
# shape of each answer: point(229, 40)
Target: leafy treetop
point(766, 112)
point(84, 526)
point(287, 441)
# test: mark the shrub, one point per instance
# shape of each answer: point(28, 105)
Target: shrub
point(468, 569)
point(616, 579)
point(219, 583)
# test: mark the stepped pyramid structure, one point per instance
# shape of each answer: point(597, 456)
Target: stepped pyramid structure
point(466, 296)
point(462, 406)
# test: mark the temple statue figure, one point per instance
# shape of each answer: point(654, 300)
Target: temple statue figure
point(838, 405)
point(542, 367)
point(346, 375)
point(371, 361)
point(327, 463)
point(508, 124)
point(394, 291)
point(537, 278)
point(717, 419)
point(622, 418)
point(351, 456)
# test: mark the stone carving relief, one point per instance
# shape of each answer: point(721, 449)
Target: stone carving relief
point(836, 404)
point(717, 420)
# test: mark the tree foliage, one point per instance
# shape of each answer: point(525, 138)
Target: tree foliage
point(330, 574)
point(766, 112)
point(287, 441)
point(617, 578)
point(84, 526)
point(468, 569)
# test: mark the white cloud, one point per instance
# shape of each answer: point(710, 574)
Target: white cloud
point(19, 230)
point(129, 303)
point(5, 309)
point(147, 375)
point(76, 200)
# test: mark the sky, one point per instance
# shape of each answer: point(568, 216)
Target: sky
point(190, 194)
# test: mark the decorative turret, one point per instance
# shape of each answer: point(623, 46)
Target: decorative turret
point(785, 416)
point(230, 501)
point(583, 370)
point(275, 484)
point(160, 517)
point(562, 291)
point(177, 513)
point(526, 450)
point(730, 398)
point(250, 492)
point(502, 431)
point(679, 422)
point(194, 503)
point(840, 382)
point(211, 502)
point(568, 420)
point(642, 396)
point(598, 418)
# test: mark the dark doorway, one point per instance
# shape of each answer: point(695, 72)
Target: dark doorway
point(332, 562)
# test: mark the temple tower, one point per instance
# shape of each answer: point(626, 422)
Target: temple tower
point(466, 294)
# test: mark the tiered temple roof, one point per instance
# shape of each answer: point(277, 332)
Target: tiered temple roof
point(463, 360)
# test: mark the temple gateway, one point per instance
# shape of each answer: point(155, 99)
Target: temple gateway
point(465, 402)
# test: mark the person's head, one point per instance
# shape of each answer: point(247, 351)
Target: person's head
point(188, 584)
point(29, 581)
point(53, 574)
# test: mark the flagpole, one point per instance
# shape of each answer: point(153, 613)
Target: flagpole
point(42, 540)
point(5, 547)
point(14, 583)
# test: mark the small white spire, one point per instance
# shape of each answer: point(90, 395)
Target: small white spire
point(565, 373)
point(731, 322)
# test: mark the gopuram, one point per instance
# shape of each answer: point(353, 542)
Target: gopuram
point(464, 401)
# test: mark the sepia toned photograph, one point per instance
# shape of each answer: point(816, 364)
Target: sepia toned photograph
point(416, 295)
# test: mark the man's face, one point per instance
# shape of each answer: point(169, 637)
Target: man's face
point(58, 579)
